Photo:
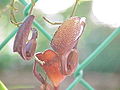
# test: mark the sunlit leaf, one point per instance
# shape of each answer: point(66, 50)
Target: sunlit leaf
point(2, 86)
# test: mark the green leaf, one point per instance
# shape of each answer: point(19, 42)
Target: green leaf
point(2, 86)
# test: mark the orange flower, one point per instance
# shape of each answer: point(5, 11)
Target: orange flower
point(51, 65)
point(64, 59)
point(65, 42)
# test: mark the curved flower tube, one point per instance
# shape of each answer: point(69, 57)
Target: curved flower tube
point(63, 60)
point(26, 48)
point(50, 62)
point(65, 42)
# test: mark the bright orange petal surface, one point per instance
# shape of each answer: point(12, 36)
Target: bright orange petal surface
point(51, 66)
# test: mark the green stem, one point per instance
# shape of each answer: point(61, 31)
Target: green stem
point(27, 8)
point(100, 48)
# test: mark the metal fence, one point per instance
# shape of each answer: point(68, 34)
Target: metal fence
point(78, 74)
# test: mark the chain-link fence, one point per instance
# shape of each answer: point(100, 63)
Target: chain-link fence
point(79, 73)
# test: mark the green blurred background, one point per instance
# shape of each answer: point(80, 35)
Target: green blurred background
point(102, 73)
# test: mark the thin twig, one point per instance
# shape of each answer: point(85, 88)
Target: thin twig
point(33, 4)
point(12, 15)
point(74, 8)
point(53, 23)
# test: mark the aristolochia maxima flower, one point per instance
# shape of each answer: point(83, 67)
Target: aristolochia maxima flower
point(26, 48)
point(63, 59)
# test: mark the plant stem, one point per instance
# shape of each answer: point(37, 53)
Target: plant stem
point(74, 8)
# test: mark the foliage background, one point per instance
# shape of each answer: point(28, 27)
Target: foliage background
point(105, 67)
